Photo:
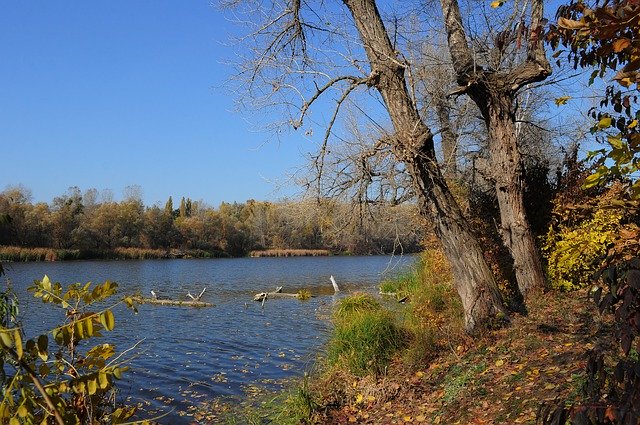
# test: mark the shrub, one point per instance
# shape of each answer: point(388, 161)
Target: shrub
point(73, 384)
point(576, 245)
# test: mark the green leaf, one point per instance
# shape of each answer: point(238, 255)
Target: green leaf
point(594, 179)
point(107, 320)
point(88, 325)
point(46, 283)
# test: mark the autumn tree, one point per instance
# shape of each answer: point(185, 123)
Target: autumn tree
point(510, 59)
point(368, 61)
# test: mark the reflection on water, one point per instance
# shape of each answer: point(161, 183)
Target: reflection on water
point(190, 355)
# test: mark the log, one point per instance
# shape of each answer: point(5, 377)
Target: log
point(263, 296)
point(185, 303)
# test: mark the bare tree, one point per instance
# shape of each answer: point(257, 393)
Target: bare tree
point(492, 71)
point(285, 57)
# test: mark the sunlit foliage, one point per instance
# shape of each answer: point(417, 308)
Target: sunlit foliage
point(57, 377)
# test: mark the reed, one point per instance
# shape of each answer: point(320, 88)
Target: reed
point(290, 253)
point(22, 254)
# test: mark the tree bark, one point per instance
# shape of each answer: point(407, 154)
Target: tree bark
point(447, 135)
point(413, 144)
point(507, 160)
point(495, 93)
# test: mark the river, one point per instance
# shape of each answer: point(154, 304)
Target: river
point(189, 356)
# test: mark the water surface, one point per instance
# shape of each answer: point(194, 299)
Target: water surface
point(187, 356)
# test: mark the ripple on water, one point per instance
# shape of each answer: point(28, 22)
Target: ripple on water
point(187, 355)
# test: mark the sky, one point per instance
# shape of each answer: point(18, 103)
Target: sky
point(109, 94)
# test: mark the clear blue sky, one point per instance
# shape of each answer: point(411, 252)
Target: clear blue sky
point(114, 93)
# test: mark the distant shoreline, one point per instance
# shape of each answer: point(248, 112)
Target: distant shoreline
point(290, 253)
point(21, 254)
point(18, 254)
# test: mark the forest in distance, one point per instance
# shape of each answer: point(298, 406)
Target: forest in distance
point(80, 225)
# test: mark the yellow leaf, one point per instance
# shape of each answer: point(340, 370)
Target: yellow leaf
point(604, 122)
point(633, 124)
point(499, 362)
point(419, 374)
point(18, 339)
point(420, 418)
point(549, 386)
point(497, 3)
point(359, 398)
point(408, 418)
point(562, 100)
point(371, 398)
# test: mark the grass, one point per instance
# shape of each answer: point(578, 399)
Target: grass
point(23, 254)
point(365, 338)
point(304, 294)
point(20, 254)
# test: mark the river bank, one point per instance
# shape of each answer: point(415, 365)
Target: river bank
point(439, 375)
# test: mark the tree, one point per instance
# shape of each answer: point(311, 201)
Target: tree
point(493, 84)
point(286, 57)
point(168, 207)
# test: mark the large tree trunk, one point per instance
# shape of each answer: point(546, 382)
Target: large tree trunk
point(506, 159)
point(413, 144)
point(494, 93)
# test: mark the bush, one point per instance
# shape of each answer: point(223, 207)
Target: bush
point(72, 383)
point(578, 242)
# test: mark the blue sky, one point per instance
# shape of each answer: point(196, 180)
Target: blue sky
point(115, 93)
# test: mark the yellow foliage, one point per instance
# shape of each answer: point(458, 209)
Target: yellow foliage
point(574, 252)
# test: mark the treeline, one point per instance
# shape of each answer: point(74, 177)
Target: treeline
point(77, 222)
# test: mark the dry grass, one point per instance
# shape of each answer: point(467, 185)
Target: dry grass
point(290, 253)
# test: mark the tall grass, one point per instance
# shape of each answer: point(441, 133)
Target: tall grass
point(365, 338)
point(20, 254)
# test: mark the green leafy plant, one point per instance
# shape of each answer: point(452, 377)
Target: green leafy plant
point(71, 383)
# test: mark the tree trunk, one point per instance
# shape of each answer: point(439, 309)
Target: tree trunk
point(413, 144)
point(447, 135)
point(494, 93)
point(506, 160)
point(474, 281)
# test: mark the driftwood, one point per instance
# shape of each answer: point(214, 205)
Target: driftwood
point(263, 296)
point(185, 303)
point(198, 297)
point(156, 300)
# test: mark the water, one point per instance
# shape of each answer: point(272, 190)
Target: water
point(187, 356)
